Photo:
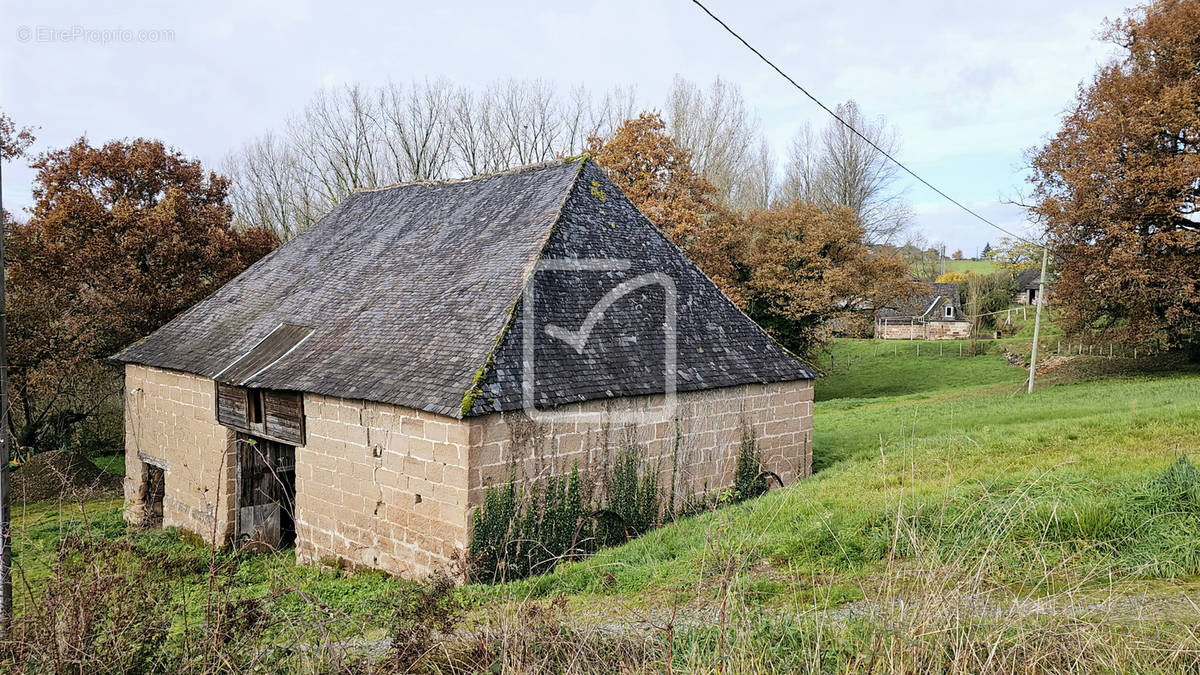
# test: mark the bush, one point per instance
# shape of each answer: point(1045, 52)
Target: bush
point(521, 530)
point(94, 615)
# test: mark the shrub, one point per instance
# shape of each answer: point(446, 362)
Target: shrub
point(748, 479)
point(94, 615)
point(520, 530)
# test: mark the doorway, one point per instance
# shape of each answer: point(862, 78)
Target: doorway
point(266, 494)
point(155, 489)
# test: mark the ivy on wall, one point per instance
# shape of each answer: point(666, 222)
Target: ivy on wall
point(528, 528)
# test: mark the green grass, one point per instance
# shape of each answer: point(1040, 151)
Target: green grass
point(976, 470)
point(937, 479)
point(347, 600)
point(111, 463)
point(869, 369)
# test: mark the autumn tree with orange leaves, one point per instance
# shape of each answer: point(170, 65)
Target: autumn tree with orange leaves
point(1118, 187)
point(121, 238)
point(797, 269)
point(794, 268)
point(656, 175)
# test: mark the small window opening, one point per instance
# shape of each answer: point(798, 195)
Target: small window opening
point(256, 406)
point(949, 311)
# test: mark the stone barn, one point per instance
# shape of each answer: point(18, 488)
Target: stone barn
point(933, 313)
point(354, 393)
point(1028, 284)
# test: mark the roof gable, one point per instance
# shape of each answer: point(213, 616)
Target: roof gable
point(928, 303)
point(581, 354)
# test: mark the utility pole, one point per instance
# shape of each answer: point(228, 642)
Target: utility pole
point(1037, 318)
point(5, 454)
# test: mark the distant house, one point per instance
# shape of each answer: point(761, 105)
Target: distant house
point(356, 392)
point(934, 313)
point(1027, 283)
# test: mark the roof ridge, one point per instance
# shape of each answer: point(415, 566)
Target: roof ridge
point(468, 400)
point(545, 164)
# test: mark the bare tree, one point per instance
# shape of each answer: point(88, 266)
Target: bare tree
point(526, 120)
point(759, 186)
point(336, 141)
point(472, 139)
point(584, 119)
point(269, 189)
point(724, 138)
point(352, 138)
point(414, 128)
point(804, 175)
point(839, 168)
point(924, 257)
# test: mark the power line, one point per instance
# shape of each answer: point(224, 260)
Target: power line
point(855, 131)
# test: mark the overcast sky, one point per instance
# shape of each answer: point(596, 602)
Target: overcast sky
point(969, 86)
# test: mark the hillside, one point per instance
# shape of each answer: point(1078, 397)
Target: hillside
point(953, 523)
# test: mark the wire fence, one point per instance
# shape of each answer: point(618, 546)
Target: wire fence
point(1016, 348)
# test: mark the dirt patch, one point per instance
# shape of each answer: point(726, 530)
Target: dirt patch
point(1052, 362)
point(62, 475)
point(1045, 364)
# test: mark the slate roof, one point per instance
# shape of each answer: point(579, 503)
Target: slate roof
point(1028, 279)
point(417, 295)
point(928, 304)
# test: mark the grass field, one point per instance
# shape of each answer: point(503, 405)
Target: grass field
point(926, 446)
point(953, 524)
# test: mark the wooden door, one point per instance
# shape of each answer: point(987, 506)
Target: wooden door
point(266, 493)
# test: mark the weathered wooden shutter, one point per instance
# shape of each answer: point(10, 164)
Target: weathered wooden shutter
point(232, 409)
point(283, 416)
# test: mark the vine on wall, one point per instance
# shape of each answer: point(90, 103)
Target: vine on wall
point(528, 528)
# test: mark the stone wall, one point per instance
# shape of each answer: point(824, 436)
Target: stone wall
point(380, 486)
point(948, 330)
point(933, 330)
point(698, 449)
point(896, 331)
point(170, 422)
point(392, 488)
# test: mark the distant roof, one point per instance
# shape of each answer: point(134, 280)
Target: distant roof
point(416, 295)
point(1028, 279)
point(927, 303)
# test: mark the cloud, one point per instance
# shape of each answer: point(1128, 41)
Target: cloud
point(969, 86)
